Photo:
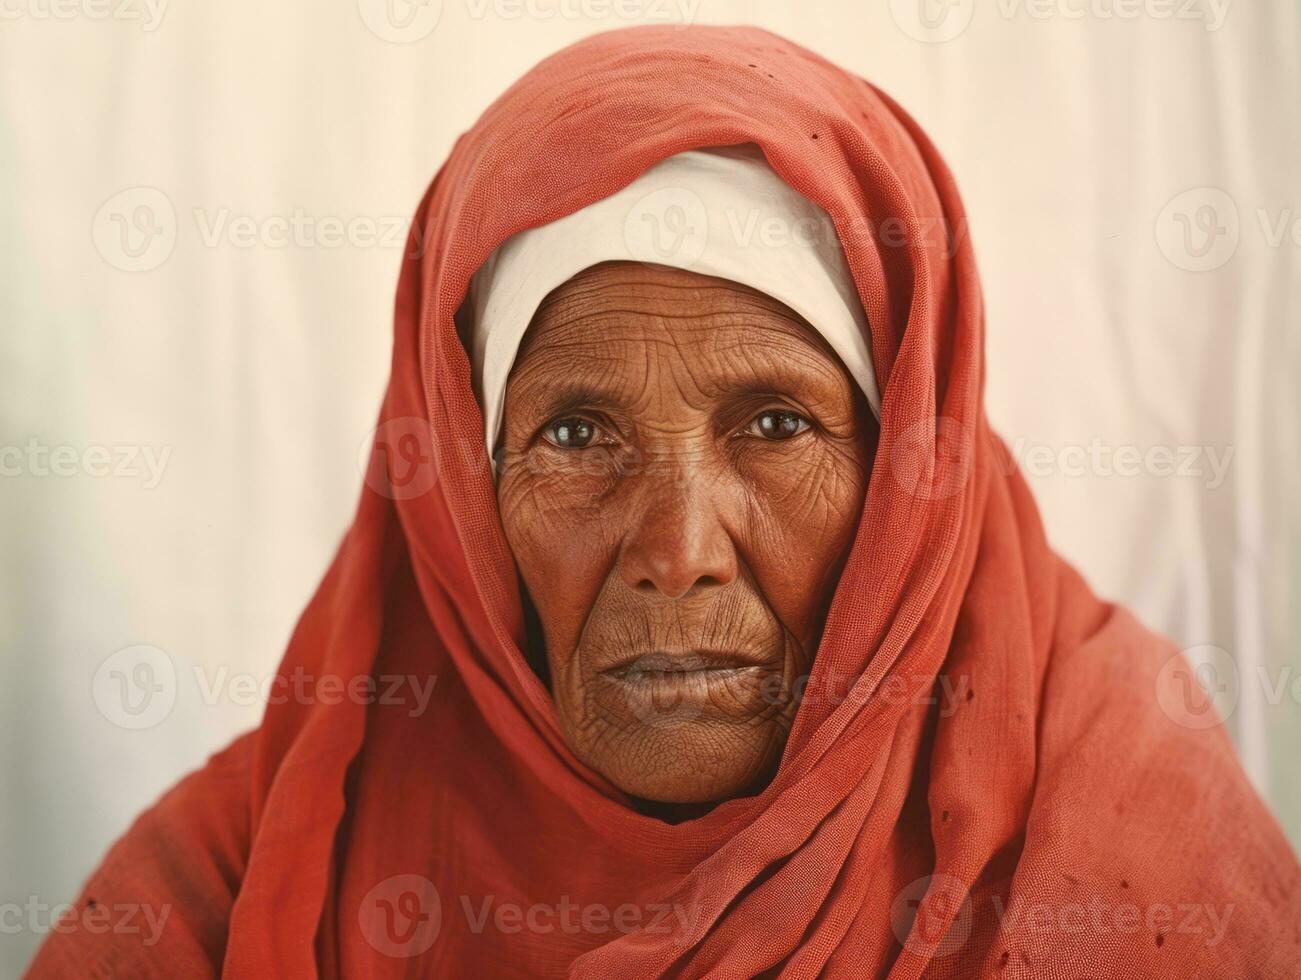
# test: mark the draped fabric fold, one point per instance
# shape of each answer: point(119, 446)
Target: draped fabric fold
point(980, 740)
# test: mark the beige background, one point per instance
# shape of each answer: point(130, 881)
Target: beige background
point(1132, 175)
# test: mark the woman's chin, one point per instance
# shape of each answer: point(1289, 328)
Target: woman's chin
point(691, 761)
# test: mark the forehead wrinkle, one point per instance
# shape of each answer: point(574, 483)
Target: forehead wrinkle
point(644, 281)
point(678, 368)
point(711, 300)
point(756, 358)
point(556, 379)
point(796, 363)
point(595, 329)
point(642, 371)
point(651, 288)
point(585, 362)
point(706, 336)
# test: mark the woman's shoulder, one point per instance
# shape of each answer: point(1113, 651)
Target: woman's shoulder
point(159, 903)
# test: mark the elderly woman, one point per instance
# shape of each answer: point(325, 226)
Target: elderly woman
point(750, 656)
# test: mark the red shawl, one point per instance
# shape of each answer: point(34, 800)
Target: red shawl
point(992, 771)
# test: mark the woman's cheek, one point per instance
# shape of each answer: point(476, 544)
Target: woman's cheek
point(551, 489)
point(804, 509)
point(807, 488)
point(560, 537)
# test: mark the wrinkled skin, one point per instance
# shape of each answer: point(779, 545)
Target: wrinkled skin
point(681, 472)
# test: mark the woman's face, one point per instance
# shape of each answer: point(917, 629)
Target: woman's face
point(682, 466)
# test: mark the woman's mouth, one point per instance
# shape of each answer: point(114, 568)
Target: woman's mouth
point(664, 682)
point(672, 664)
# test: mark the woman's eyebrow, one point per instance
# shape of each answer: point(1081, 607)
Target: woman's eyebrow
point(813, 392)
point(577, 367)
point(569, 393)
point(783, 368)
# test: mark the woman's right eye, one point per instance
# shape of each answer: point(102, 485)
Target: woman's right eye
point(777, 424)
point(571, 433)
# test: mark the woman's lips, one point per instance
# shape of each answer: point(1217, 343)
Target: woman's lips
point(671, 664)
point(677, 687)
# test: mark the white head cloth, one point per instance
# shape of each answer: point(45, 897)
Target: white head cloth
point(718, 211)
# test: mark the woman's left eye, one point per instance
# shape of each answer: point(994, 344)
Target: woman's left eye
point(777, 424)
point(571, 433)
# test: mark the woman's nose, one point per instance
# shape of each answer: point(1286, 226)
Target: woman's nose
point(678, 542)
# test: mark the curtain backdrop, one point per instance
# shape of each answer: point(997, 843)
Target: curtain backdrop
point(201, 214)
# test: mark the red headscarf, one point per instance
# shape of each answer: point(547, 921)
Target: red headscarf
point(992, 772)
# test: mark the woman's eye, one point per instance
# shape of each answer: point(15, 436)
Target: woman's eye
point(777, 424)
point(571, 433)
